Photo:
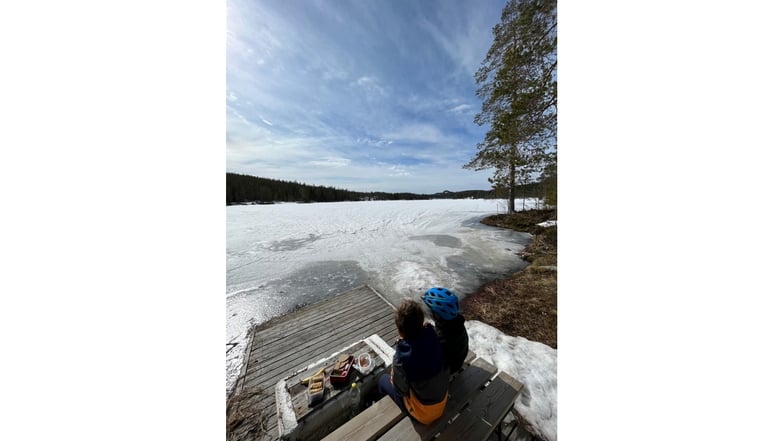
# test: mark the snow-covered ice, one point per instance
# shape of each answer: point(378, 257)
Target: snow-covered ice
point(284, 255)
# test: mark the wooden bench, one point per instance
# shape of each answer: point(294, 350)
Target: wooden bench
point(479, 398)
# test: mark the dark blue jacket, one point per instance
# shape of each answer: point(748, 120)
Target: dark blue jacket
point(419, 365)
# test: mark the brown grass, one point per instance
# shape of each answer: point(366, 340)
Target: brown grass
point(243, 416)
point(525, 304)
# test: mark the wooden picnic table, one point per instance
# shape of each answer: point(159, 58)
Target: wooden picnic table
point(479, 398)
point(297, 420)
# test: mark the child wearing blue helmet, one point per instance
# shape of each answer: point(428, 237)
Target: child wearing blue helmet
point(450, 325)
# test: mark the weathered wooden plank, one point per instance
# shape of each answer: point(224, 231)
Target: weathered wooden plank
point(324, 328)
point(334, 308)
point(284, 370)
point(284, 333)
point(295, 315)
point(322, 312)
point(369, 424)
point(271, 354)
point(402, 431)
point(468, 426)
point(313, 336)
point(389, 335)
point(496, 399)
point(268, 404)
point(314, 348)
point(486, 411)
point(255, 359)
point(238, 386)
point(463, 387)
point(282, 336)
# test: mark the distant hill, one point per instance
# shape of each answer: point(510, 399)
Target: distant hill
point(246, 189)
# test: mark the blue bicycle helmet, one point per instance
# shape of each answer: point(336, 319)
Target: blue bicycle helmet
point(442, 302)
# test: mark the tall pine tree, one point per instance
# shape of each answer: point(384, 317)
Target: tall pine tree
point(518, 86)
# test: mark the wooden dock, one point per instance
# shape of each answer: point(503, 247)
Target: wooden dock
point(284, 344)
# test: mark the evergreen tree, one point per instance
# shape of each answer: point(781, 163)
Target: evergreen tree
point(550, 181)
point(517, 82)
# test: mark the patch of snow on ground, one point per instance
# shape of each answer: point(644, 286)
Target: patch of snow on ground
point(287, 418)
point(550, 223)
point(409, 276)
point(533, 364)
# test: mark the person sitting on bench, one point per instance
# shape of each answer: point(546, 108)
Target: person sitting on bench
point(419, 380)
point(450, 325)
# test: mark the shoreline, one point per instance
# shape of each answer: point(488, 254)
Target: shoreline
point(526, 303)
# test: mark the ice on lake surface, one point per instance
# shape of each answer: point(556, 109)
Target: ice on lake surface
point(282, 256)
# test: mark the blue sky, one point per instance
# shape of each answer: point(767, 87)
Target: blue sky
point(361, 95)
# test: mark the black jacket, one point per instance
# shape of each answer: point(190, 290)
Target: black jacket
point(454, 341)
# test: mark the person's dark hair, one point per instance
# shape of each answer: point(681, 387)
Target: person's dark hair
point(409, 318)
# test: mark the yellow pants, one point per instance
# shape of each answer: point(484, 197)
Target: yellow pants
point(424, 413)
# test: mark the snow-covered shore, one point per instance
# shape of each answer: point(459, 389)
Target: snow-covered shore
point(533, 364)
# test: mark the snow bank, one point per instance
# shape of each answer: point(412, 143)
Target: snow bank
point(287, 418)
point(533, 364)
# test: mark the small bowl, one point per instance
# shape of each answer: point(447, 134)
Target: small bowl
point(364, 363)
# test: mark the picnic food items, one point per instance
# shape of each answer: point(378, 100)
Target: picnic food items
point(364, 363)
point(341, 369)
point(316, 388)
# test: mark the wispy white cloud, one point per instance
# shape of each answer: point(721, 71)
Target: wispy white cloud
point(331, 162)
point(419, 133)
point(373, 142)
point(370, 85)
point(462, 108)
point(239, 116)
point(397, 170)
point(463, 33)
point(348, 92)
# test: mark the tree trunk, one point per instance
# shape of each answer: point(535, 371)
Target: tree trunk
point(523, 192)
point(511, 204)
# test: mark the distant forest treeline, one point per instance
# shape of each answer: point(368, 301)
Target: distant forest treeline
point(245, 189)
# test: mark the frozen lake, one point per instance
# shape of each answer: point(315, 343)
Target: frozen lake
point(285, 255)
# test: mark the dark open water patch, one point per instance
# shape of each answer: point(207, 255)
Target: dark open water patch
point(318, 281)
point(476, 268)
point(441, 240)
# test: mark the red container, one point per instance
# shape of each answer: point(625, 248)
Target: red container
point(341, 370)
